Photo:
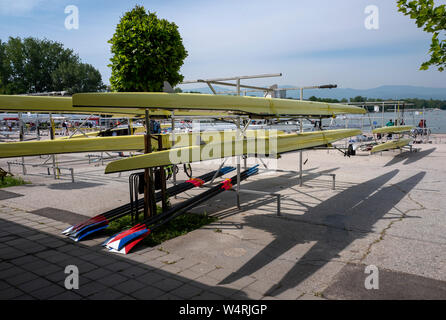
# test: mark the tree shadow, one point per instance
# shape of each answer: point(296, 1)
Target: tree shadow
point(357, 208)
point(410, 157)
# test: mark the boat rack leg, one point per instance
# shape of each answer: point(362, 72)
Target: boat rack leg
point(263, 193)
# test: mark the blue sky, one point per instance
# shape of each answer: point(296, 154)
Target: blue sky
point(310, 42)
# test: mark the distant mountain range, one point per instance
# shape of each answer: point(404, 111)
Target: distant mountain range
point(383, 92)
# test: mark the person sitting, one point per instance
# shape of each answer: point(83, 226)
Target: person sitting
point(390, 123)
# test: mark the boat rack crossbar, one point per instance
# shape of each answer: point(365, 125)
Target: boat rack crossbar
point(57, 170)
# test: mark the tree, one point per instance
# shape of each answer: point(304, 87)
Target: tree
point(32, 65)
point(358, 99)
point(78, 77)
point(433, 20)
point(146, 52)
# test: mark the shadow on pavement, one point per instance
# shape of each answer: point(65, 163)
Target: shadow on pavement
point(33, 263)
point(410, 157)
point(358, 208)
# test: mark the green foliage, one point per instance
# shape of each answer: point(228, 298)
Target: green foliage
point(358, 99)
point(417, 103)
point(433, 20)
point(174, 228)
point(328, 100)
point(78, 77)
point(12, 182)
point(32, 65)
point(146, 52)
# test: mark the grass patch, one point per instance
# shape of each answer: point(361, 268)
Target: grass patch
point(177, 227)
point(12, 181)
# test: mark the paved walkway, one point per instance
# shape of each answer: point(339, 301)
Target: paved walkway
point(386, 211)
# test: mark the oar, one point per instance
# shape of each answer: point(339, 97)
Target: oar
point(102, 221)
point(124, 241)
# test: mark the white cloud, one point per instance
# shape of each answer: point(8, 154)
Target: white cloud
point(17, 7)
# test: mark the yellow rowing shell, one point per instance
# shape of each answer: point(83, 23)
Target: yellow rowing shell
point(395, 129)
point(40, 104)
point(190, 101)
point(391, 145)
point(120, 143)
point(261, 145)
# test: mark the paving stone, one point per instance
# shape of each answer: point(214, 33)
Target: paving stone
point(148, 293)
point(187, 291)
point(34, 249)
point(5, 239)
point(23, 260)
point(5, 265)
point(247, 294)
point(52, 243)
point(240, 283)
point(168, 284)
point(189, 275)
point(34, 285)
point(68, 295)
point(220, 273)
point(204, 281)
point(57, 257)
point(107, 294)
point(202, 268)
point(133, 272)
point(48, 292)
point(4, 285)
point(222, 291)
point(129, 286)
point(139, 258)
point(112, 279)
point(171, 268)
point(118, 266)
point(154, 254)
point(11, 253)
point(186, 263)
point(12, 272)
point(151, 277)
point(25, 297)
point(90, 288)
point(155, 264)
point(10, 293)
point(207, 295)
point(97, 274)
point(48, 269)
point(261, 286)
point(22, 278)
point(35, 264)
point(168, 296)
point(59, 277)
point(170, 258)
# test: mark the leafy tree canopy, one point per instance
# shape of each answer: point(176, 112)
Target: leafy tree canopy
point(146, 52)
point(32, 65)
point(433, 20)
